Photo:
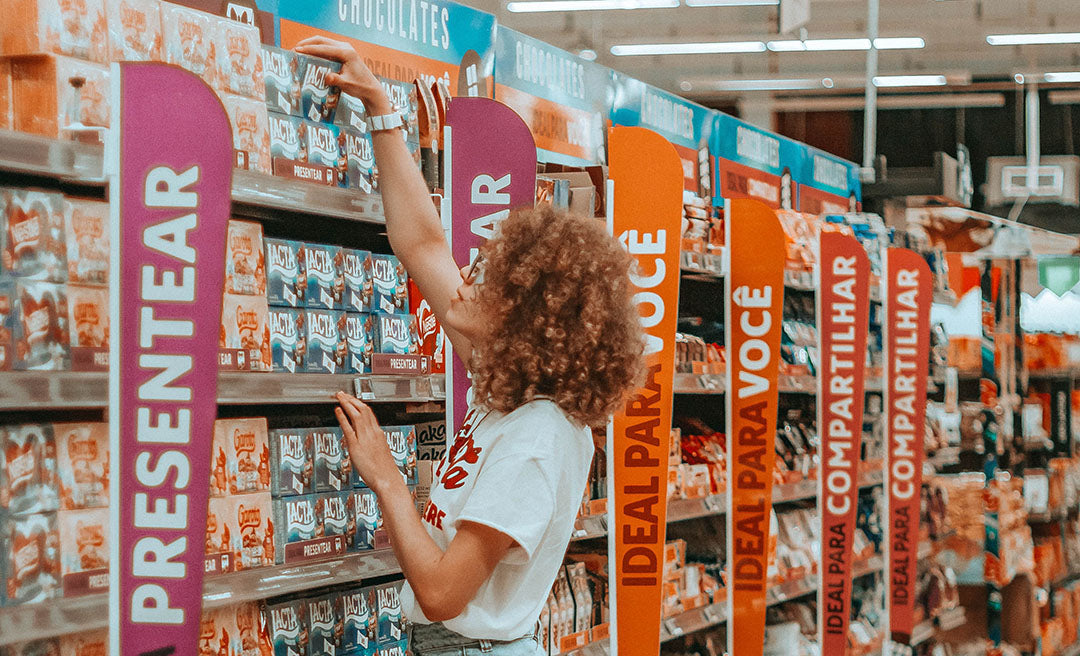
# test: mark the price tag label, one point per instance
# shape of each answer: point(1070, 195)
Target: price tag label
point(711, 616)
point(713, 505)
point(672, 627)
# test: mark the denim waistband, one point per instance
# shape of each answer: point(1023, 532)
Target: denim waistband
point(436, 637)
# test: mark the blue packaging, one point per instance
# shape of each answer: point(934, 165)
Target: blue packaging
point(292, 464)
point(361, 622)
point(323, 615)
point(288, 339)
point(287, 625)
point(325, 278)
point(359, 154)
point(333, 469)
point(286, 272)
point(391, 284)
point(356, 271)
point(391, 628)
point(318, 100)
point(296, 519)
point(333, 512)
point(281, 75)
point(326, 346)
point(287, 137)
point(351, 113)
point(368, 518)
point(396, 334)
point(402, 443)
point(358, 337)
point(323, 148)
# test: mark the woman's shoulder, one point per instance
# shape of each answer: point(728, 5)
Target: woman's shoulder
point(544, 426)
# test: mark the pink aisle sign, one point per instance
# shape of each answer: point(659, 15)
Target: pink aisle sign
point(492, 170)
point(171, 177)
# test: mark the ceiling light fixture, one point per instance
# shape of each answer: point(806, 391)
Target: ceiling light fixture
point(732, 3)
point(536, 6)
point(766, 84)
point(892, 81)
point(719, 47)
point(839, 45)
point(1033, 39)
point(1072, 76)
point(588, 54)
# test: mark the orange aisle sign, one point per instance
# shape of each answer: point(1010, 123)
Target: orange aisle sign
point(645, 213)
point(754, 289)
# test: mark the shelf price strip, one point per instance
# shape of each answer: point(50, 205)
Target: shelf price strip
point(754, 292)
point(908, 294)
point(171, 183)
point(843, 310)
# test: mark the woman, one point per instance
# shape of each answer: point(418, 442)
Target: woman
point(545, 321)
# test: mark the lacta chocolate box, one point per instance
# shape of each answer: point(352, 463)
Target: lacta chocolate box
point(84, 551)
point(325, 276)
point(292, 462)
point(88, 327)
point(42, 341)
point(34, 241)
point(245, 270)
point(323, 148)
point(7, 325)
point(239, 64)
point(358, 609)
point(395, 333)
point(86, 231)
point(324, 617)
point(287, 625)
point(286, 272)
point(358, 336)
point(295, 520)
point(402, 443)
point(134, 30)
point(333, 511)
point(288, 339)
point(60, 97)
point(247, 453)
point(251, 133)
point(188, 40)
point(333, 469)
point(359, 156)
point(287, 138)
point(318, 99)
point(404, 97)
point(391, 284)
point(364, 507)
point(395, 648)
point(33, 558)
point(76, 29)
point(391, 627)
point(245, 333)
point(351, 113)
point(281, 80)
point(82, 463)
point(326, 342)
point(28, 480)
point(359, 290)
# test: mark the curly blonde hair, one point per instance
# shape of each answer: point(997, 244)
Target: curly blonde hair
point(558, 298)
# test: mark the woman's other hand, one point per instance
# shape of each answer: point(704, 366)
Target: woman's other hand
point(368, 449)
point(355, 78)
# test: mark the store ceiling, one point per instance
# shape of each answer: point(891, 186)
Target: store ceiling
point(954, 32)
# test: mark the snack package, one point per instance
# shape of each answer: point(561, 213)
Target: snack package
point(326, 343)
point(396, 648)
point(60, 98)
point(402, 443)
point(76, 29)
point(42, 342)
point(242, 624)
point(288, 339)
point(251, 133)
point(332, 509)
point(85, 643)
point(245, 333)
point(33, 558)
point(86, 231)
point(82, 462)
point(391, 628)
point(287, 625)
point(240, 531)
point(84, 551)
point(333, 469)
point(356, 269)
point(292, 462)
point(318, 100)
point(7, 325)
point(325, 277)
point(281, 80)
point(395, 333)
point(34, 247)
point(134, 30)
point(359, 155)
point(295, 520)
point(88, 324)
point(28, 480)
point(324, 615)
point(431, 338)
point(351, 113)
point(288, 140)
point(358, 608)
point(188, 40)
point(286, 272)
point(358, 329)
point(245, 272)
point(322, 146)
point(364, 507)
point(431, 440)
point(390, 284)
point(239, 64)
point(247, 453)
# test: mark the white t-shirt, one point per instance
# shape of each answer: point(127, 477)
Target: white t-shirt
point(522, 473)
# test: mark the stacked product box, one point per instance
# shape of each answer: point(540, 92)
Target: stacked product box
point(245, 320)
point(84, 643)
point(239, 520)
point(54, 493)
point(349, 622)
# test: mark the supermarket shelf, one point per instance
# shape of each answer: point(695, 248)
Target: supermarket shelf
point(66, 616)
point(64, 160)
point(38, 390)
point(787, 384)
point(598, 648)
point(947, 621)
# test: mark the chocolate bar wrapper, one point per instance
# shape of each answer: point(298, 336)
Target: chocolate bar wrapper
point(402, 443)
point(325, 277)
point(84, 551)
point(431, 338)
point(361, 622)
point(188, 40)
point(351, 113)
point(286, 272)
point(85, 643)
point(134, 30)
point(333, 511)
point(86, 231)
point(251, 133)
point(247, 453)
point(395, 334)
point(358, 335)
point(220, 528)
point(245, 270)
point(288, 137)
point(281, 80)
point(88, 323)
point(323, 148)
point(34, 235)
point(287, 625)
point(391, 624)
point(76, 29)
point(245, 333)
point(82, 462)
point(359, 155)
point(33, 558)
point(324, 615)
point(333, 469)
point(431, 440)
point(239, 62)
point(6, 118)
point(364, 508)
point(60, 97)
point(292, 462)
point(295, 520)
point(42, 342)
point(390, 284)
point(326, 342)
point(288, 340)
point(7, 325)
point(28, 480)
point(356, 269)
point(318, 100)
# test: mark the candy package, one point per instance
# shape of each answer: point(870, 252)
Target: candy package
point(88, 325)
point(288, 140)
point(76, 29)
point(60, 97)
point(358, 336)
point(245, 444)
point(188, 40)
point(34, 241)
point(325, 276)
point(390, 284)
point(333, 469)
point(245, 269)
point(292, 463)
point(42, 341)
point(239, 62)
point(287, 627)
point(395, 333)
point(28, 480)
point(7, 325)
point(251, 133)
point(82, 462)
point(84, 550)
point(86, 229)
point(245, 333)
point(326, 342)
point(402, 443)
point(288, 339)
point(134, 30)
point(359, 290)
point(323, 148)
point(295, 520)
point(318, 99)
point(281, 78)
point(286, 272)
point(358, 608)
point(364, 508)
point(391, 627)
point(324, 617)
point(33, 558)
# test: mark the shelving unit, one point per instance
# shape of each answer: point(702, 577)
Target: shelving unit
point(716, 384)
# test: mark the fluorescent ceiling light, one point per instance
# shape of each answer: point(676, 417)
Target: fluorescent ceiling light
point(767, 84)
point(720, 47)
point(855, 44)
point(910, 81)
point(887, 102)
point(1073, 76)
point(588, 54)
point(899, 43)
point(732, 3)
point(534, 6)
point(1033, 39)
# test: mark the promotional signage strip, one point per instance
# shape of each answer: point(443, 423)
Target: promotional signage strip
point(843, 311)
point(828, 184)
point(645, 206)
point(171, 184)
point(491, 170)
point(754, 289)
point(908, 295)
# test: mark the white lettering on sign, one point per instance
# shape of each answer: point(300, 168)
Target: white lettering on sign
point(830, 173)
point(842, 362)
point(757, 147)
point(419, 21)
point(667, 115)
point(650, 304)
point(755, 319)
point(486, 190)
point(543, 67)
point(905, 335)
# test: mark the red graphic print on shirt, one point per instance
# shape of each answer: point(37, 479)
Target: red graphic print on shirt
point(464, 451)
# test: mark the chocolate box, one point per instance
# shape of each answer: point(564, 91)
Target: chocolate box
point(295, 520)
point(358, 608)
point(60, 97)
point(359, 290)
point(390, 283)
point(42, 342)
point(318, 99)
point(287, 625)
point(326, 344)
point(333, 511)
point(286, 272)
point(239, 61)
point(134, 30)
point(245, 270)
point(281, 80)
point(323, 148)
point(28, 480)
point(7, 325)
point(395, 648)
point(288, 339)
point(82, 463)
point(85, 643)
point(84, 550)
point(391, 626)
point(245, 333)
point(431, 440)
point(324, 618)
point(188, 40)
point(34, 235)
point(247, 453)
point(333, 469)
point(33, 558)
point(86, 232)
point(251, 133)
point(405, 99)
point(364, 508)
point(76, 29)
point(287, 137)
point(325, 277)
point(292, 462)
point(402, 443)
point(432, 339)
point(240, 529)
point(88, 326)
point(238, 627)
point(351, 113)
point(359, 156)
point(358, 337)
point(395, 333)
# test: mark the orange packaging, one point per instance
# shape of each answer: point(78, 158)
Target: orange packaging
point(188, 40)
point(246, 450)
point(88, 326)
point(251, 132)
point(82, 460)
point(5, 94)
point(245, 267)
point(75, 29)
point(240, 531)
point(134, 30)
point(245, 333)
point(238, 59)
point(56, 96)
point(85, 643)
point(84, 550)
point(86, 230)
